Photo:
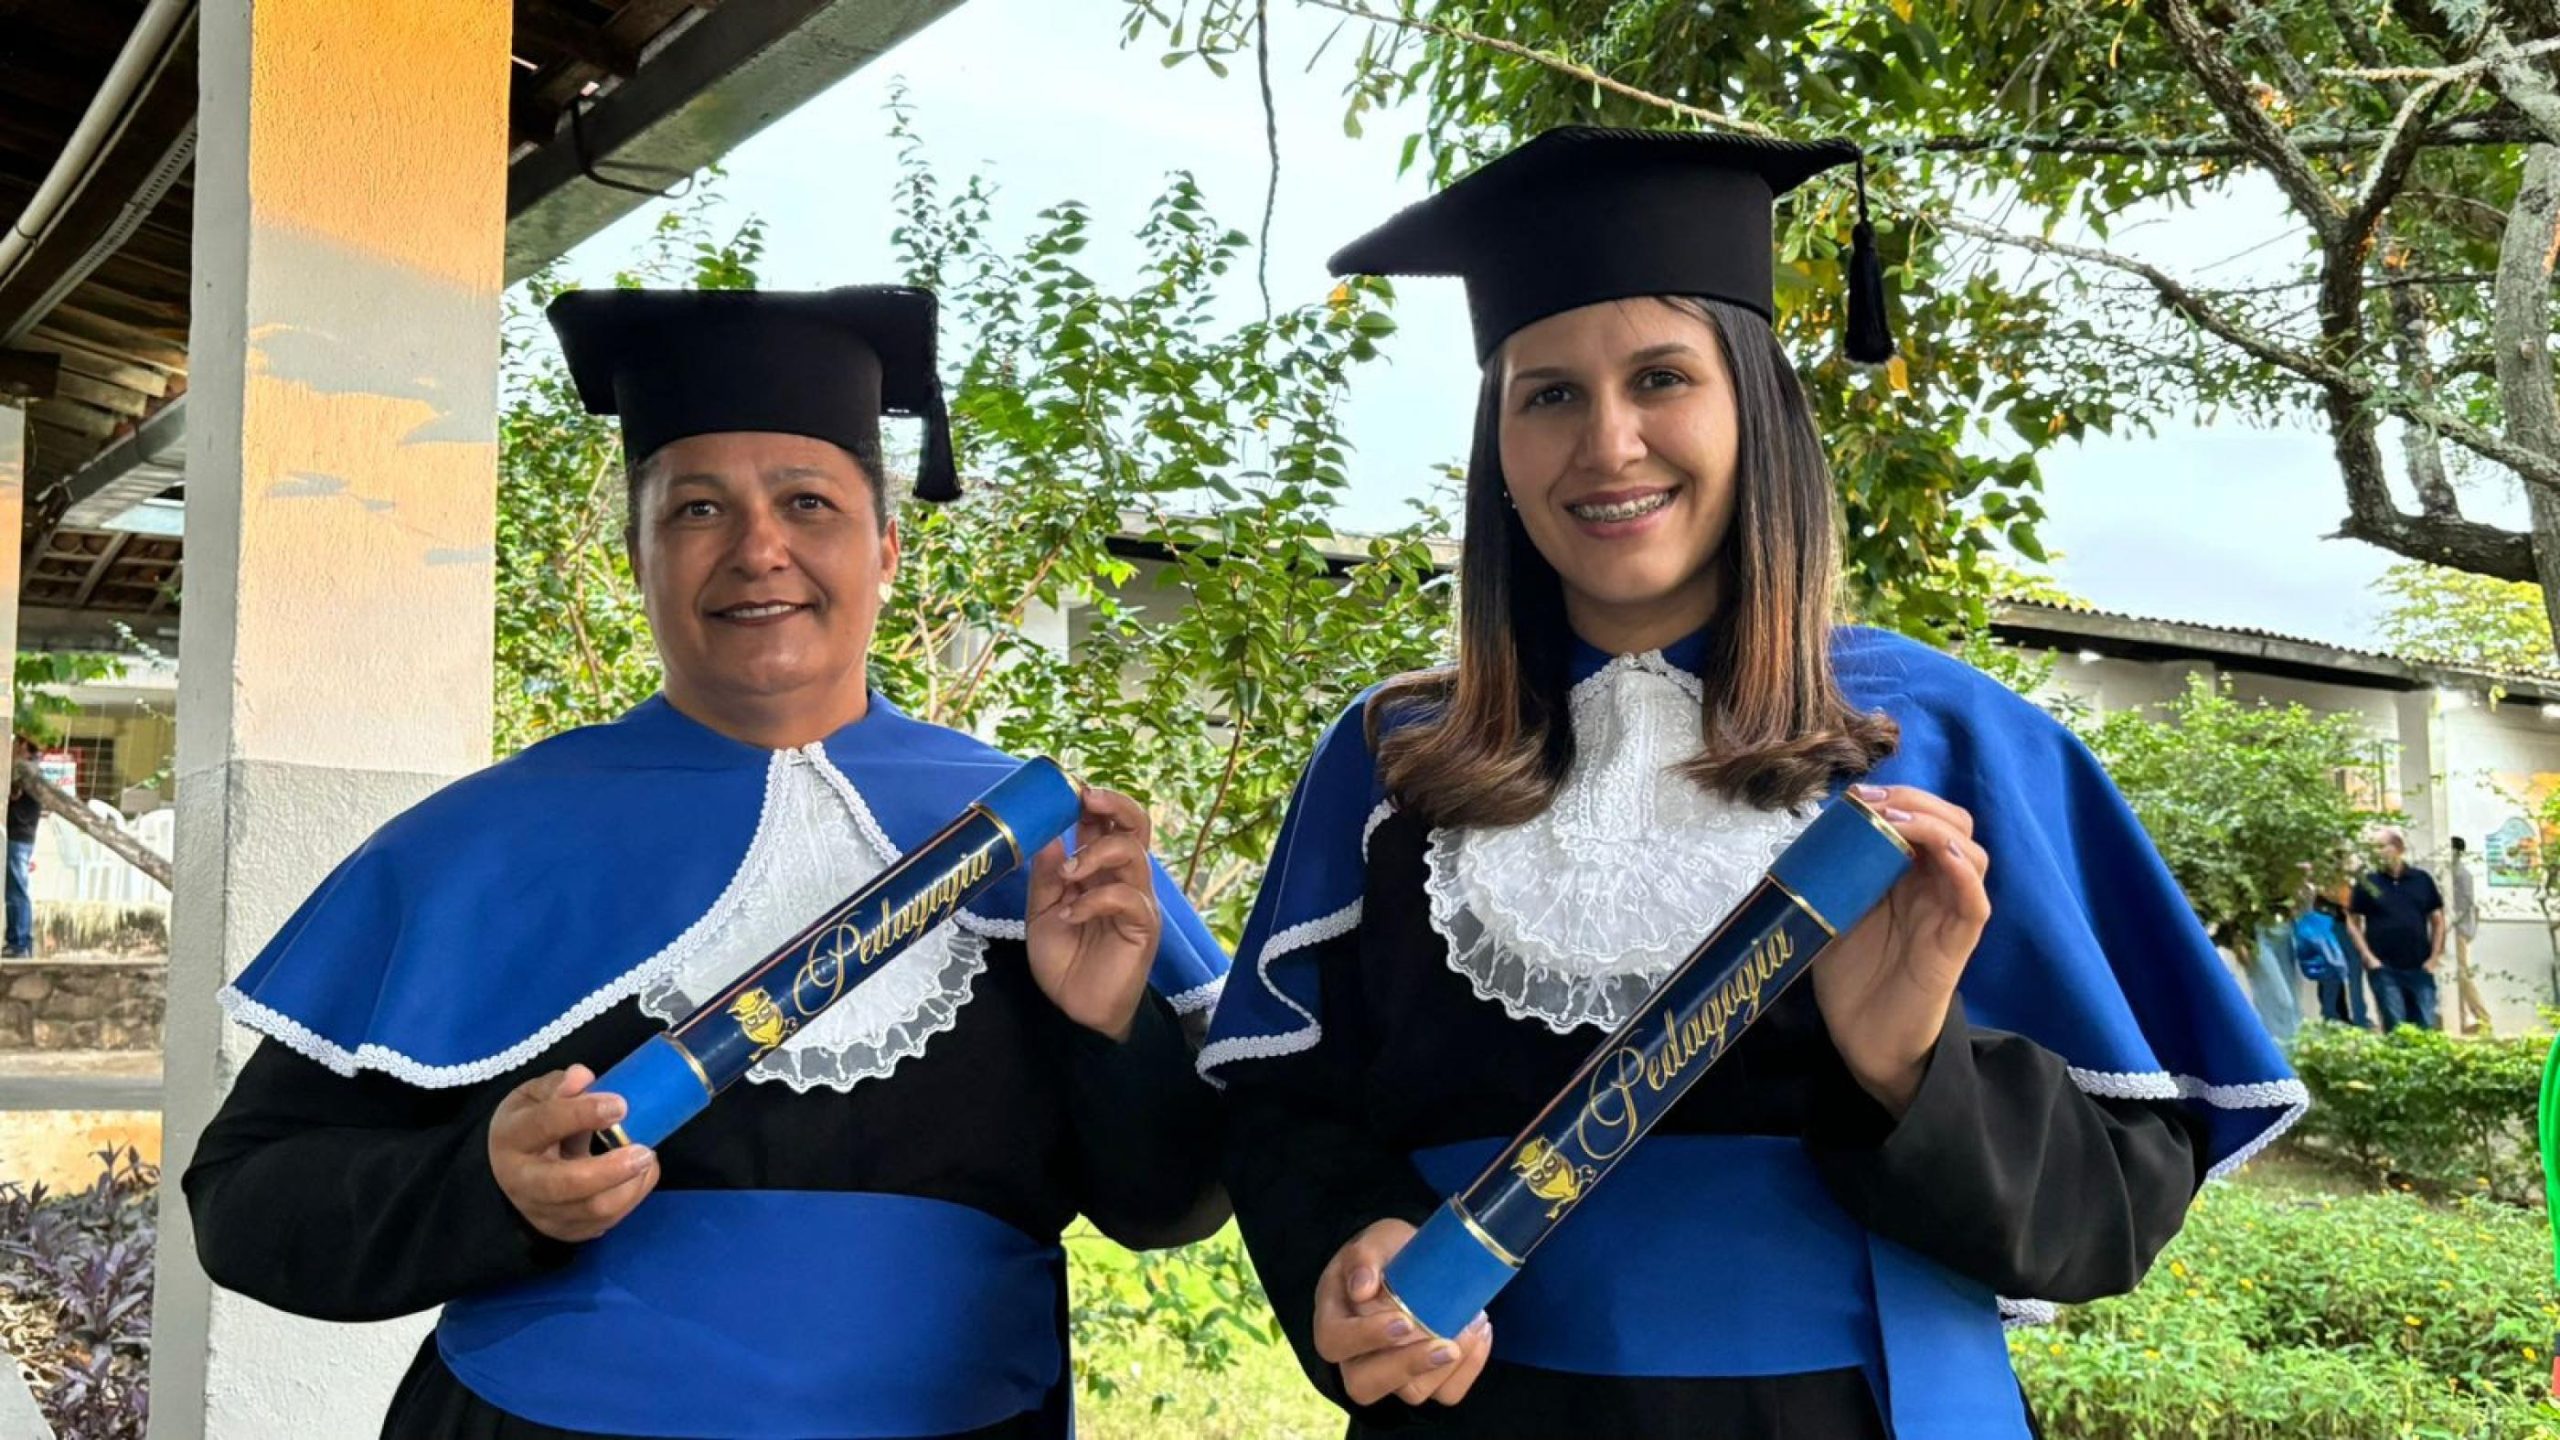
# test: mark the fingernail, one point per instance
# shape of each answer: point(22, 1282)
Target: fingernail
point(1871, 792)
point(640, 1155)
point(614, 1109)
point(1398, 1329)
point(1074, 864)
point(1443, 1356)
point(1896, 816)
point(1480, 1324)
point(1362, 1278)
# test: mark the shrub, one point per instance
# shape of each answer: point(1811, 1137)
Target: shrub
point(2309, 1318)
point(75, 1297)
point(1202, 1301)
point(2455, 1115)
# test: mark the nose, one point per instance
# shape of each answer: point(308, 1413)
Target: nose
point(1612, 437)
point(762, 546)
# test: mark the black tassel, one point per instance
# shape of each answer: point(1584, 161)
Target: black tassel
point(1870, 337)
point(938, 474)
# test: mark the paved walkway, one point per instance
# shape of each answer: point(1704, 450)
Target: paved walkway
point(79, 1080)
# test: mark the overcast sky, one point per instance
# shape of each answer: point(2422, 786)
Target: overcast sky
point(2222, 525)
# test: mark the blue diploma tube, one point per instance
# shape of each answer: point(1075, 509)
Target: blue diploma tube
point(672, 1076)
point(1822, 884)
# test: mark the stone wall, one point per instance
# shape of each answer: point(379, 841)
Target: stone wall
point(82, 1004)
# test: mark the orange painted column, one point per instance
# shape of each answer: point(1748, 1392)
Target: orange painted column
point(341, 495)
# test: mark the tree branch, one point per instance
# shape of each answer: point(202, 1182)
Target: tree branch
point(2252, 24)
point(2420, 449)
point(2357, 36)
point(2390, 168)
point(2487, 131)
point(2447, 74)
point(2534, 467)
point(2371, 282)
point(1714, 119)
point(2521, 83)
point(2374, 519)
point(2460, 132)
point(2475, 216)
point(2230, 93)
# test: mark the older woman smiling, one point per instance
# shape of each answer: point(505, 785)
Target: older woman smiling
point(866, 1243)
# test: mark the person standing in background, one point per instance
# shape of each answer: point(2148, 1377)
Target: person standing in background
point(2397, 919)
point(2469, 1010)
point(2319, 949)
point(25, 811)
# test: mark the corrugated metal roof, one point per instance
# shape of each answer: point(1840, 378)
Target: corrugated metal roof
point(2289, 652)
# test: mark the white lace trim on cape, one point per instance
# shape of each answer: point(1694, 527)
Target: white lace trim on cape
point(1572, 918)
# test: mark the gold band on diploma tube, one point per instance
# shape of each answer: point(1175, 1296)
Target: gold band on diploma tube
point(694, 1065)
point(1016, 845)
point(1804, 905)
point(1491, 1246)
point(1878, 821)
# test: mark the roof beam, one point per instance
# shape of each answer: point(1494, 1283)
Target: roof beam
point(727, 76)
point(106, 561)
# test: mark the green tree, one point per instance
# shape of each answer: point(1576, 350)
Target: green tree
point(2414, 151)
point(1158, 490)
point(37, 704)
point(2478, 622)
point(2247, 802)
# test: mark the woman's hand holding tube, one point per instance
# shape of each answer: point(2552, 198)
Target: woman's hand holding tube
point(539, 1139)
point(1369, 1338)
point(1885, 987)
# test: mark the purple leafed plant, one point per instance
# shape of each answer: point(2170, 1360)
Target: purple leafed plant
point(75, 1297)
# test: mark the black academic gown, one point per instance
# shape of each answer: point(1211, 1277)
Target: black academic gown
point(2002, 1170)
point(367, 1198)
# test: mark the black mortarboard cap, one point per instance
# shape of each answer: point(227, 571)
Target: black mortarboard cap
point(822, 363)
point(1583, 214)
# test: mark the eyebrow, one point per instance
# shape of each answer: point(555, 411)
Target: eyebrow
point(1664, 351)
point(778, 475)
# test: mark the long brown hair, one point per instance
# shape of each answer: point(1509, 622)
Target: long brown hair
point(1487, 742)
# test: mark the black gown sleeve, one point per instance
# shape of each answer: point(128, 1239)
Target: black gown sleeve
point(1308, 1173)
point(356, 1198)
point(1146, 1130)
point(2006, 1172)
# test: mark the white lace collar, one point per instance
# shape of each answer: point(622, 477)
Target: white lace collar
point(1573, 917)
point(816, 844)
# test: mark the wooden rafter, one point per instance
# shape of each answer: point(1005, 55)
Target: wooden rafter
point(106, 561)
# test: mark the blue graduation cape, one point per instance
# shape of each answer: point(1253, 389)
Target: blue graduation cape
point(2092, 951)
point(489, 921)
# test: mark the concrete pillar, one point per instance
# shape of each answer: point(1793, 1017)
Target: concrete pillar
point(341, 495)
point(2426, 802)
point(13, 509)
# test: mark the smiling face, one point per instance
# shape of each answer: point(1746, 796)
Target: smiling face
point(762, 562)
point(1619, 443)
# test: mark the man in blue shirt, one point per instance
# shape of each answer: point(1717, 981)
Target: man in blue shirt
point(2397, 918)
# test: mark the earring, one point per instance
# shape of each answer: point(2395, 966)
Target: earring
point(886, 590)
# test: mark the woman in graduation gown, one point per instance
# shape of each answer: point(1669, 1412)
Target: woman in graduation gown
point(863, 1239)
point(1999, 1092)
